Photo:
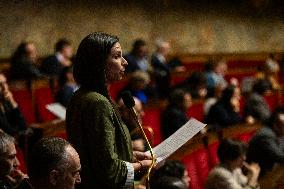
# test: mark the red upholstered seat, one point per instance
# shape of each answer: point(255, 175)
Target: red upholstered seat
point(42, 97)
point(177, 79)
point(190, 165)
point(116, 87)
point(152, 119)
point(272, 101)
point(233, 64)
point(201, 158)
point(194, 65)
point(245, 137)
point(239, 75)
point(196, 110)
point(212, 154)
point(24, 99)
point(61, 134)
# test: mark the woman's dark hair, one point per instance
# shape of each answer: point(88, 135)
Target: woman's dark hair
point(20, 52)
point(61, 43)
point(168, 182)
point(90, 62)
point(227, 94)
point(274, 118)
point(261, 85)
point(176, 98)
point(138, 43)
point(171, 168)
point(230, 149)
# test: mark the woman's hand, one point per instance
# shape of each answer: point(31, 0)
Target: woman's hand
point(8, 96)
point(142, 161)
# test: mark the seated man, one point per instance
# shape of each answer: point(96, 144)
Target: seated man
point(53, 65)
point(54, 164)
point(266, 147)
point(10, 175)
point(11, 119)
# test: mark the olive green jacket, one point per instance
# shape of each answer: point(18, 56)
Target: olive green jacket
point(101, 139)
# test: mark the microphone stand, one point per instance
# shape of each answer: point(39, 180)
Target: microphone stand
point(133, 112)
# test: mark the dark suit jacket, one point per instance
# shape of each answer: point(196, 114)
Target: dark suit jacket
point(101, 139)
point(221, 116)
point(162, 76)
point(51, 66)
point(171, 120)
point(24, 69)
point(265, 149)
point(12, 121)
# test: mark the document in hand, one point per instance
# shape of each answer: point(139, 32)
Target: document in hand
point(57, 109)
point(176, 140)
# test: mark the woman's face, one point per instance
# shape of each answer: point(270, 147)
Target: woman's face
point(115, 64)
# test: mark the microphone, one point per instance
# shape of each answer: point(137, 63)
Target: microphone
point(130, 103)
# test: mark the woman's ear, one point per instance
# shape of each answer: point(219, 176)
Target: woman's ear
point(53, 177)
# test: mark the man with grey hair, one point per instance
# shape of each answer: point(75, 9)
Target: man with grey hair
point(54, 164)
point(10, 175)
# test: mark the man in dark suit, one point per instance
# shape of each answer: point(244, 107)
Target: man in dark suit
point(267, 146)
point(53, 65)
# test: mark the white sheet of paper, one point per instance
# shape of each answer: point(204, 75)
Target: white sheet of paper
point(57, 109)
point(176, 140)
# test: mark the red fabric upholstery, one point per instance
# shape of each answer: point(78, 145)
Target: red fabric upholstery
point(62, 134)
point(233, 64)
point(202, 164)
point(116, 87)
point(152, 119)
point(24, 99)
point(272, 101)
point(196, 111)
point(194, 65)
point(239, 75)
point(177, 79)
point(212, 151)
point(43, 96)
point(245, 137)
point(190, 165)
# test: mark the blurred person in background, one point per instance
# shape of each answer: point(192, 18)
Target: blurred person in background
point(269, 71)
point(195, 84)
point(162, 69)
point(256, 107)
point(52, 66)
point(67, 86)
point(23, 62)
point(175, 114)
point(171, 168)
point(138, 57)
point(11, 118)
point(225, 112)
point(228, 174)
point(214, 74)
point(267, 146)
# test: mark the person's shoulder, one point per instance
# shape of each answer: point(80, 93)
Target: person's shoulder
point(219, 171)
point(92, 97)
point(50, 58)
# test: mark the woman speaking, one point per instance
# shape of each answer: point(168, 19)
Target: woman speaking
point(94, 125)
